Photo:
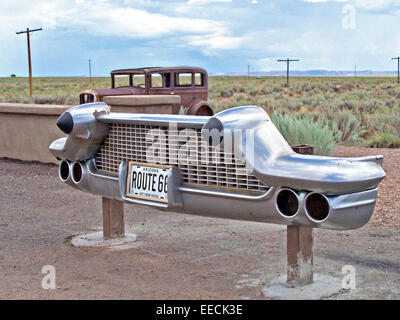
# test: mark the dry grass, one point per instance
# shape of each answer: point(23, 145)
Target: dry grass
point(362, 111)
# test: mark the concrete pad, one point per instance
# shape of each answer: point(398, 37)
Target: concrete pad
point(322, 287)
point(96, 240)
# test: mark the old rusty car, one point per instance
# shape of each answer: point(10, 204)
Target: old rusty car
point(190, 83)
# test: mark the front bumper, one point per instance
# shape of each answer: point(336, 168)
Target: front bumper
point(348, 211)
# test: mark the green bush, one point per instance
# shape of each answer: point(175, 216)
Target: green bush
point(226, 93)
point(384, 140)
point(299, 130)
point(17, 99)
point(385, 123)
point(49, 99)
point(346, 128)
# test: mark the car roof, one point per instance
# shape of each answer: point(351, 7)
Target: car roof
point(158, 69)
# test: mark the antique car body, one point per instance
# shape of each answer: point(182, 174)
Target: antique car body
point(190, 83)
point(258, 178)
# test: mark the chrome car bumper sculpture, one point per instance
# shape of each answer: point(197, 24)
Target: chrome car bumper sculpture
point(128, 157)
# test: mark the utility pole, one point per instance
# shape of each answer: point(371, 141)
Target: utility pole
point(29, 56)
point(90, 72)
point(355, 71)
point(287, 66)
point(398, 68)
point(248, 71)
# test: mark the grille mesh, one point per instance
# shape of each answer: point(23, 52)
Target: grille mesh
point(198, 163)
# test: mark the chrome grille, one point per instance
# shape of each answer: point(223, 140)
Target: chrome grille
point(205, 165)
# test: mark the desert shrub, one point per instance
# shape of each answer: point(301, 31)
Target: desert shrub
point(355, 110)
point(17, 99)
point(334, 87)
point(348, 86)
point(72, 100)
point(182, 110)
point(307, 87)
point(384, 140)
point(312, 102)
point(226, 93)
point(266, 90)
point(253, 91)
point(390, 103)
point(346, 128)
point(370, 106)
point(385, 123)
point(387, 86)
point(303, 130)
point(277, 88)
point(347, 105)
point(49, 99)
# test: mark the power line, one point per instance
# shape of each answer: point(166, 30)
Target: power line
point(398, 68)
point(28, 32)
point(287, 66)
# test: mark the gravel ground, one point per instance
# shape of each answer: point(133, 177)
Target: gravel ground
point(176, 256)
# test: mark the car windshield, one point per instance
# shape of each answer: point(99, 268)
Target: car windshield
point(129, 80)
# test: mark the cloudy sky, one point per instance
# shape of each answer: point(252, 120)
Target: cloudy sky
point(220, 35)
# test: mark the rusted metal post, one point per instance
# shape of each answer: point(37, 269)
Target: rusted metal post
point(29, 63)
point(28, 33)
point(113, 218)
point(300, 258)
point(287, 71)
point(90, 73)
point(398, 68)
point(287, 67)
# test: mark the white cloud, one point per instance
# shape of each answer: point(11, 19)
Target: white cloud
point(98, 17)
point(265, 64)
point(206, 1)
point(326, 0)
point(215, 42)
point(223, 34)
point(366, 4)
point(376, 4)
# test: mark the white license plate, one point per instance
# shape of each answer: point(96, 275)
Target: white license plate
point(147, 182)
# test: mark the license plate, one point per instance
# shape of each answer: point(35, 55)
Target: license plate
point(147, 182)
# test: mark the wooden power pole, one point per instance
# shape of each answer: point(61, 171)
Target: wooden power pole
point(398, 68)
point(29, 56)
point(287, 66)
point(90, 72)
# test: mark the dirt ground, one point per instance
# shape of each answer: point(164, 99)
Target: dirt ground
point(176, 256)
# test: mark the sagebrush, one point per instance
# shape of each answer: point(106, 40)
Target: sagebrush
point(357, 111)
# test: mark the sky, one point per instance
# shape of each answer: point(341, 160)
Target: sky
point(219, 35)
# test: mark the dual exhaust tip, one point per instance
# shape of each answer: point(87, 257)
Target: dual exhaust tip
point(70, 171)
point(316, 205)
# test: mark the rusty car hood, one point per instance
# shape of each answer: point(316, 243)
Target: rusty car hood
point(119, 91)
